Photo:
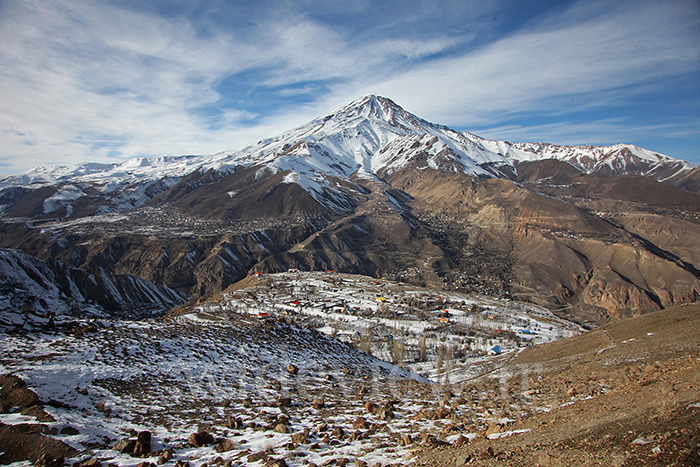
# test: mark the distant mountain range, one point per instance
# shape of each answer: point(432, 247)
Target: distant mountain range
point(374, 189)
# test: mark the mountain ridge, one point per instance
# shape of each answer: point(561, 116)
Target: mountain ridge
point(377, 121)
point(373, 189)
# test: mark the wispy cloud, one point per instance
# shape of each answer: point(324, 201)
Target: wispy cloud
point(93, 80)
point(543, 68)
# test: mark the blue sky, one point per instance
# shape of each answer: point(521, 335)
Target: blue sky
point(108, 80)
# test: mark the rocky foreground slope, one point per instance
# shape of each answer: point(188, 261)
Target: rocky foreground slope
point(223, 389)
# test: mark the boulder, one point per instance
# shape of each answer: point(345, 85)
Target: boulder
point(258, 456)
point(200, 439)
point(493, 429)
point(318, 403)
point(125, 445)
point(225, 446)
point(235, 423)
point(281, 428)
point(46, 460)
point(360, 423)
point(372, 408)
point(292, 369)
point(15, 394)
point(283, 401)
point(143, 444)
point(69, 430)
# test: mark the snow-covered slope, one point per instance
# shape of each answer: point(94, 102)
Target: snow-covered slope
point(52, 286)
point(365, 135)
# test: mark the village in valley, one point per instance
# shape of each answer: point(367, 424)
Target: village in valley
point(443, 336)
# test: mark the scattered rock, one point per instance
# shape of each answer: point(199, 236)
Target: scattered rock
point(299, 438)
point(165, 456)
point(340, 462)
point(430, 440)
point(486, 454)
point(386, 414)
point(274, 384)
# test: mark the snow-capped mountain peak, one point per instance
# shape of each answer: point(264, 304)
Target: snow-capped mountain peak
point(372, 135)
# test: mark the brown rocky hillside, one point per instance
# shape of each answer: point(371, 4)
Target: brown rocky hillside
point(626, 394)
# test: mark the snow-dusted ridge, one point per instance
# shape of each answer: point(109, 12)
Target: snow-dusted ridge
point(50, 286)
point(615, 159)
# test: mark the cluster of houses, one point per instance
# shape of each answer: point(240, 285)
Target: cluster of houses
point(380, 316)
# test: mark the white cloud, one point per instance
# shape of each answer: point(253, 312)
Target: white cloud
point(93, 81)
point(526, 71)
point(87, 80)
